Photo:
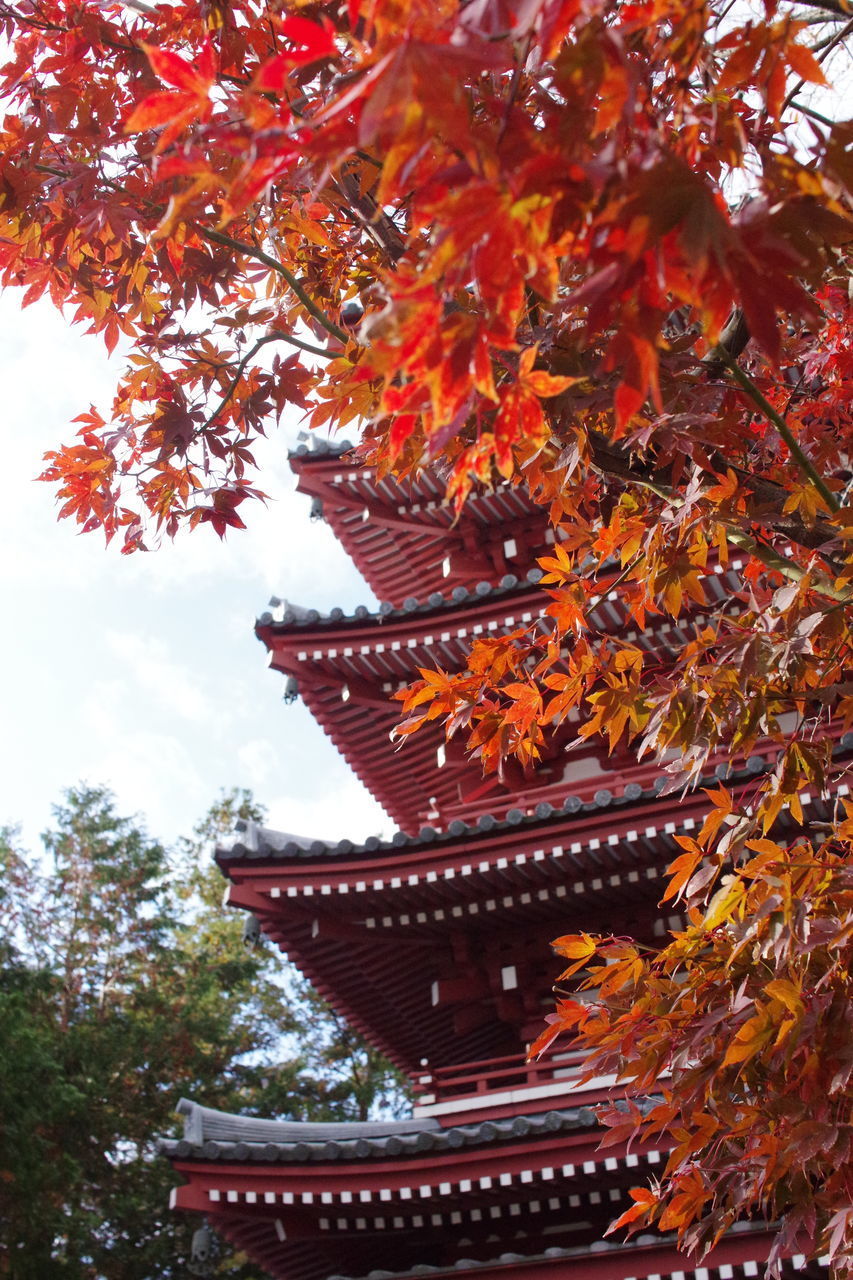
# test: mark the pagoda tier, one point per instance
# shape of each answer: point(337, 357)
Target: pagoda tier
point(526, 1199)
point(347, 668)
point(436, 947)
point(403, 537)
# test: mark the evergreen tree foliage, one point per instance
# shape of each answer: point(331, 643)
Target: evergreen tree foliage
point(124, 986)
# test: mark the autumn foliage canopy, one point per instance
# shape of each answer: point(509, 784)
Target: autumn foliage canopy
point(597, 247)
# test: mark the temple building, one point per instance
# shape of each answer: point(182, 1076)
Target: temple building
point(434, 944)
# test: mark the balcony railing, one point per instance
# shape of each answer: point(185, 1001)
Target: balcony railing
point(495, 1082)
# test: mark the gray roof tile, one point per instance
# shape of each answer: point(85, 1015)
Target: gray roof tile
point(251, 841)
point(320, 448)
point(288, 615)
point(554, 1253)
point(217, 1135)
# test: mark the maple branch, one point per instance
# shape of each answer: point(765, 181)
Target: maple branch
point(829, 43)
point(42, 25)
point(278, 335)
point(520, 63)
point(823, 693)
point(626, 572)
point(377, 223)
point(780, 564)
point(826, 49)
point(803, 462)
point(811, 113)
point(611, 459)
point(275, 336)
point(242, 246)
point(734, 338)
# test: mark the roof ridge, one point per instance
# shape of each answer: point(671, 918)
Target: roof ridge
point(292, 614)
point(219, 1135)
point(251, 840)
point(625, 1248)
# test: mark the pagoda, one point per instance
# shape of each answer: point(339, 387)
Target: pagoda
point(434, 944)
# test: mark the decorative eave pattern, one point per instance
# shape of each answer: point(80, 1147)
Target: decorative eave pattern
point(543, 1173)
point(419, 612)
point(347, 669)
point(252, 843)
point(285, 616)
point(462, 1168)
point(403, 537)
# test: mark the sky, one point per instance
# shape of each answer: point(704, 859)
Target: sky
point(142, 672)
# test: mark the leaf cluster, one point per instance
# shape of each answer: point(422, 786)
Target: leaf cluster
point(739, 1025)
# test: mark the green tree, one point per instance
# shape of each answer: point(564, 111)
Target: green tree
point(123, 986)
point(37, 1105)
point(110, 1009)
point(342, 1077)
point(323, 1069)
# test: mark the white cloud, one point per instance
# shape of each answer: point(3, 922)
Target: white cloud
point(153, 774)
point(344, 810)
point(170, 685)
point(257, 759)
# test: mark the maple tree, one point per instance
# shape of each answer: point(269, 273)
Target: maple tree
point(597, 247)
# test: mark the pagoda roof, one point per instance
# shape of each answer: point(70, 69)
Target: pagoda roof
point(286, 615)
point(404, 537)
point(373, 925)
point(382, 927)
point(317, 447)
point(347, 668)
point(639, 1257)
point(211, 1135)
point(252, 842)
point(430, 1202)
point(300, 1209)
point(607, 610)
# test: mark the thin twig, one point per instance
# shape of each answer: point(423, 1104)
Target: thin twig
point(828, 46)
point(242, 246)
point(513, 88)
point(627, 571)
point(824, 47)
point(833, 8)
point(789, 569)
point(769, 557)
point(808, 470)
point(276, 336)
point(279, 336)
point(812, 114)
